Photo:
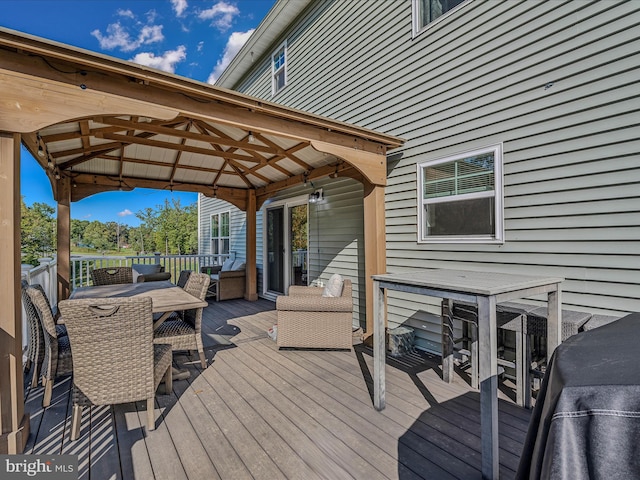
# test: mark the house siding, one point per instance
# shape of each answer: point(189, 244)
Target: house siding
point(237, 226)
point(556, 83)
point(335, 235)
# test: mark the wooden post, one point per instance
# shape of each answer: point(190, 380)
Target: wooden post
point(375, 249)
point(14, 422)
point(379, 347)
point(251, 288)
point(63, 196)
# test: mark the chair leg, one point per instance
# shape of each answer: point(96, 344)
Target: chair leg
point(203, 359)
point(76, 419)
point(34, 377)
point(475, 357)
point(151, 420)
point(168, 380)
point(48, 391)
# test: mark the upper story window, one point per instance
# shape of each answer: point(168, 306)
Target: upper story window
point(279, 69)
point(428, 11)
point(220, 243)
point(460, 198)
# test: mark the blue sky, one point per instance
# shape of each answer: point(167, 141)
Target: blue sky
point(193, 38)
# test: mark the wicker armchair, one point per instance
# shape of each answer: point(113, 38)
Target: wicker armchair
point(35, 338)
point(117, 275)
point(112, 275)
point(57, 359)
point(115, 358)
point(306, 319)
point(183, 278)
point(226, 285)
point(186, 333)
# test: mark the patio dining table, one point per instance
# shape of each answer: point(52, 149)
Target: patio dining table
point(486, 290)
point(165, 296)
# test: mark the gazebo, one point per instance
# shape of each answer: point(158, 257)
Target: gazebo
point(96, 124)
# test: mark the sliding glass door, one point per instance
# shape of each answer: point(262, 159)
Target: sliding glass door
point(286, 241)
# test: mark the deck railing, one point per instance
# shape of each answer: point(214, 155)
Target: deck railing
point(81, 266)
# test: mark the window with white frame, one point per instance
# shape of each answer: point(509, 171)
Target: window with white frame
point(428, 11)
point(220, 243)
point(279, 69)
point(460, 198)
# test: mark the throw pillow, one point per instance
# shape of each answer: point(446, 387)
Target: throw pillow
point(226, 266)
point(334, 286)
point(238, 265)
point(138, 269)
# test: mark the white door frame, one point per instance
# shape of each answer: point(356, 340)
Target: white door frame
point(287, 203)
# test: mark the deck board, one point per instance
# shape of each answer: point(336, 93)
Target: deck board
point(257, 412)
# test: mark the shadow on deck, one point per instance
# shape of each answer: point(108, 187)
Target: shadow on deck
point(260, 413)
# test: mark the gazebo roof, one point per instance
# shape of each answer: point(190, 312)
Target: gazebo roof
point(107, 124)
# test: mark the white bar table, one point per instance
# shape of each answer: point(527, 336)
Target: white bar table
point(484, 289)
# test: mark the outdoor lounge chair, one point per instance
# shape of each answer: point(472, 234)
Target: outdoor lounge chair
point(306, 319)
point(57, 359)
point(116, 360)
point(185, 333)
point(228, 281)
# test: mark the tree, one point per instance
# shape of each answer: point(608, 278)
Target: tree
point(77, 231)
point(176, 229)
point(97, 236)
point(37, 230)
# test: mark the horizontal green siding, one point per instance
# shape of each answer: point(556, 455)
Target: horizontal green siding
point(555, 82)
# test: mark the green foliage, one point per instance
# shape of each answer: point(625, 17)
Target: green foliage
point(169, 228)
point(299, 227)
point(37, 231)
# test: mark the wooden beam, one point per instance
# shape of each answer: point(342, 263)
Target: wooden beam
point(63, 197)
point(373, 166)
point(14, 421)
point(251, 288)
point(188, 135)
point(267, 191)
point(375, 248)
point(31, 103)
point(88, 184)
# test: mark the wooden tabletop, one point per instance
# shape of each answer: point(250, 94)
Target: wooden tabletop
point(479, 283)
point(165, 296)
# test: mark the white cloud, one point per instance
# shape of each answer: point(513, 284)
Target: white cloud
point(234, 44)
point(200, 45)
point(166, 62)
point(221, 15)
point(118, 36)
point(179, 6)
point(125, 13)
point(125, 213)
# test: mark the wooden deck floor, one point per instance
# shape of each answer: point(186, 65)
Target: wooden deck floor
point(260, 413)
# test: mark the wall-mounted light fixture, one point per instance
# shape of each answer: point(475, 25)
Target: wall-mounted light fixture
point(40, 150)
point(250, 138)
point(316, 196)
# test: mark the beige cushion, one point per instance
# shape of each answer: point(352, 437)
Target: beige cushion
point(334, 286)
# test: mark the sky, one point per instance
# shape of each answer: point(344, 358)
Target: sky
point(193, 38)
